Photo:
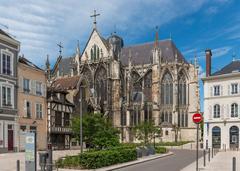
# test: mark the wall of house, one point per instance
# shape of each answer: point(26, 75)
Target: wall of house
point(32, 74)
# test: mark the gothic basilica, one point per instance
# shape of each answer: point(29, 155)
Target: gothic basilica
point(130, 84)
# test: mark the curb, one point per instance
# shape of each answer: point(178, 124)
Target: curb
point(141, 160)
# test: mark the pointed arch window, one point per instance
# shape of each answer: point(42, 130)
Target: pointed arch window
point(137, 88)
point(101, 86)
point(182, 89)
point(216, 111)
point(167, 89)
point(234, 110)
point(95, 51)
point(148, 87)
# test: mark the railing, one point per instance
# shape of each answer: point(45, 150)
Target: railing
point(61, 129)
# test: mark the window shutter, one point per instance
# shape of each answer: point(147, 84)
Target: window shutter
point(33, 86)
point(20, 84)
point(25, 108)
point(229, 89)
point(221, 90)
point(44, 91)
point(211, 91)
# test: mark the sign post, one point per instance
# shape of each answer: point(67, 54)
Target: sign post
point(197, 119)
point(30, 152)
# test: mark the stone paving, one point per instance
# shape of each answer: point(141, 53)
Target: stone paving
point(222, 161)
point(8, 160)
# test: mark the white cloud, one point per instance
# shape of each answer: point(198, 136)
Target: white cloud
point(39, 25)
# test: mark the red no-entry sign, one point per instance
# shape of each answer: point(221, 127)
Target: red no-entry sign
point(197, 118)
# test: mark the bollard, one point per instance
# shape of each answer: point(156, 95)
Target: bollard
point(204, 158)
point(191, 146)
point(234, 164)
point(18, 165)
point(212, 152)
point(209, 154)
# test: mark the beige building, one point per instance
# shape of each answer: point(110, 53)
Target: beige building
point(31, 103)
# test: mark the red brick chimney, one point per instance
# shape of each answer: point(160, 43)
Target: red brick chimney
point(208, 53)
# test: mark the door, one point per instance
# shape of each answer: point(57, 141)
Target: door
point(234, 136)
point(10, 140)
point(216, 137)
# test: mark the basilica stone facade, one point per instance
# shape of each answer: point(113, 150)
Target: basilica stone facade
point(132, 84)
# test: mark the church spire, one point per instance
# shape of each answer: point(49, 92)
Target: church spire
point(156, 38)
point(47, 64)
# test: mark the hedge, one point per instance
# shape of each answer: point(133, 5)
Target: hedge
point(172, 143)
point(98, 159)
point(160, 149)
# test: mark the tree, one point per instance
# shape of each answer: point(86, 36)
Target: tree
point(146, 131)
point(98, 132)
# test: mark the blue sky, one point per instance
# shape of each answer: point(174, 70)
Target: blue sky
point(194, 25)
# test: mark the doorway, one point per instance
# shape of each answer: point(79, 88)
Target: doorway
point(216, 137)
point(234, 137)
point(10, 140)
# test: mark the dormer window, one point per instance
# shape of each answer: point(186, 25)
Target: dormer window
point(95, 53)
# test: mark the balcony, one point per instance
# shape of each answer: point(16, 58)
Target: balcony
point(63, 130)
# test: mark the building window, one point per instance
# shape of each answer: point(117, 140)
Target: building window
point(58, 119)
point(234, 110)
point(123, 117)
point(216, 90)
point(234, 88)
point(23, 127)
point(33, 128)
point(39, 112)
point(38, 88)
point(166, 132)
point(216, 111)
point(181, 89)
point(7, 64)
point(147, 112)
point(66, 119)
point(95, 53)
point(6, 96)
point(28, 109)
point(167, 89)
point(26, 85)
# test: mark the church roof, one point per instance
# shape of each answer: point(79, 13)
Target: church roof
point(232, 67)
point(65, 65)
point(142, 53)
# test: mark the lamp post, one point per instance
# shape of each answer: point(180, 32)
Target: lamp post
point(81, 116)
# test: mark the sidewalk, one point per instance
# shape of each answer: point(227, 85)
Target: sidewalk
point(221, 162)
point(122, 165)
point(8, 160)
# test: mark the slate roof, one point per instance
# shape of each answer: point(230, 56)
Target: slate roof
point(5, 34)
point(142, 53)
point(234, 66)
point(65, 65)
point(66, 83)
point(25, 61)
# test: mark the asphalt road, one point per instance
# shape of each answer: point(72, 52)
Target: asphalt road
point(179, 160)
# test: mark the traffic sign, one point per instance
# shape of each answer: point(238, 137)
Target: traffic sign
point(197, 118)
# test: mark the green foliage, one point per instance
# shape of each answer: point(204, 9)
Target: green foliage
point(172, 143)
point(98, 159)
point(159, 149)
point(146, 131)
point(97, 131)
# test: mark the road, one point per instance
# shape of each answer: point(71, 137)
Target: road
point(179, 160)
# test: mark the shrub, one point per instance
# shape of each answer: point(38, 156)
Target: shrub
point(160, 149)
point(98, 159)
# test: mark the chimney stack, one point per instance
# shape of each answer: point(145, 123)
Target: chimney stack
point(208, 53)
